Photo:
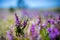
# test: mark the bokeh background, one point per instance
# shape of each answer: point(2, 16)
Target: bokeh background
point(25, 9)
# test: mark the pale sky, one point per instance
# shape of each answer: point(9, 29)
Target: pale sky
point(42, 3)
point(31, 3)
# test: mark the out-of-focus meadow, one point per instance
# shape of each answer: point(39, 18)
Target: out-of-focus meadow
point(24, 20)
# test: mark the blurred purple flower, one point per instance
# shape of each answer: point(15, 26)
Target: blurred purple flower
point(44, 25)
point(9, 35)
point(51, 21)
point(58, 20)
point(32, 30)
point(17, 20)
point(34, 33)
point(53, 32)
point(18, 26)
point(25, 23)
point(39, 20)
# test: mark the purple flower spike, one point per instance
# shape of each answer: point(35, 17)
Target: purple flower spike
point(17, 20)
point(24, 23)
